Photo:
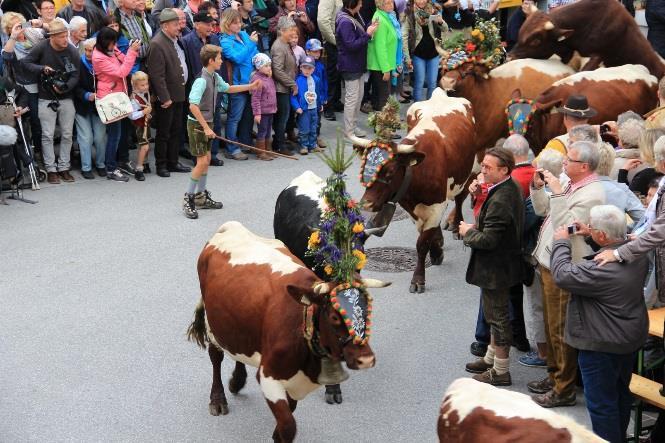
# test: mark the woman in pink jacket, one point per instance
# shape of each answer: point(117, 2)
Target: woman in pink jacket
point(111, 68)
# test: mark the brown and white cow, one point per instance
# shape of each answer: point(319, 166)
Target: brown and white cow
point(490, 91)
point(430, 167)
point(600, 29)
point(610, 91)
point(475, 412)
point(257, 301)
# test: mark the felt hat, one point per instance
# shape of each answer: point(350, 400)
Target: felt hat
point(168, 15)
point(577, 106)
point(57, 27)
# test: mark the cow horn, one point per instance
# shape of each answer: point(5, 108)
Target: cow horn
point(534, 8)
point(321, 288)
point(363, 142)
point(375, 231)
point(549, 26)
point(374, 283)
point(405, 149)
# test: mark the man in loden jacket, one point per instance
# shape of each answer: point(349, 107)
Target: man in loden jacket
point(167, 69)
point(606, 320)
point(496, 260)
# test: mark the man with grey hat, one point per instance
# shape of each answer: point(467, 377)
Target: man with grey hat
point(575, 112)
point(168, 73)
point(57, 62)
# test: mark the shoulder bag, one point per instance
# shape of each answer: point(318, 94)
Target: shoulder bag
point(114, 106)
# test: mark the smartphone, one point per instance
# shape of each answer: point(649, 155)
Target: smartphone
point(572, 229)
point(542, 176)
point(604, 128)
point(26, 25)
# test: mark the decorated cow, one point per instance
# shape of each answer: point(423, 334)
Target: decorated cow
point(610, 91)
point(261, 306)
point(600, 29)
point(424, 172)
point(475, 412)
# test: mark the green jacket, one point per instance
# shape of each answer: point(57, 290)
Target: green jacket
point(382, 48)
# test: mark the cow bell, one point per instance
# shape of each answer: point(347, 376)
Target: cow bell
point(332, 372)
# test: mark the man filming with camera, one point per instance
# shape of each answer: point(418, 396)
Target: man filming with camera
point(57, 62)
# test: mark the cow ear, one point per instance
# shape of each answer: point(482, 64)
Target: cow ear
point(306, 295)
point(544, 107)
point(412, 158)
point(516, 94)
point(564, 34)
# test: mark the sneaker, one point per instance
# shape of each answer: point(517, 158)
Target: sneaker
point(366, 108)
point(117, 176)
point(329, 114)
point(360, 133)
point(532, 360)
point(101, 172)
point(66, 176)
point(551, 399)
point(237, 156)
point(139, 175)
point(478, 367)
point(321, 142)
point(88, 175)
point(189, 207)
point(478, 349)
point(127, 168)
point(203, 200)
point(216, 162)
point(316, 149)
point(540, 386)
point(492, 378)
point(303, 151)
point(146, 168)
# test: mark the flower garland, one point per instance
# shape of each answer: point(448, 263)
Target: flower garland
point(518, 118)
point(483, 46)
point(383, 153)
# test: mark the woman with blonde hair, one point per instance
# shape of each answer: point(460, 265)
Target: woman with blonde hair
point(637, 173)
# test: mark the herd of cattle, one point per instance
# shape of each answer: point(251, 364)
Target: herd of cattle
point(256, 291)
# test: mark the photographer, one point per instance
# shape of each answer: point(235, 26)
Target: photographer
point(298, 15)
point(58, 64)
point(256, 20)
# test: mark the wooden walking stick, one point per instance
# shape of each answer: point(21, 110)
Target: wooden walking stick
point(250, 147)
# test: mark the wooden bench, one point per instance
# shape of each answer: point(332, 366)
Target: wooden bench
point(647, 390)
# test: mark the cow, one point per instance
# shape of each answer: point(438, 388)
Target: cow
point(600, 29)
point(610, 91)
point(261, 306)
point(476, 412)
point(490, 90)
point(426, 170)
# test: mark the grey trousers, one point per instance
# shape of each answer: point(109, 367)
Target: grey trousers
point(353, 97)
point(65, 116)
point(533, 310)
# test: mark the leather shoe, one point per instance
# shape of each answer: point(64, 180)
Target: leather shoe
point(180, 168)
point(492, 378)
point(66, 176)
point(478, 349)
point(551, 399)
point(478, 367)
point(216, 162)
point(540, 386)
point(162, 172)
point(53, 178)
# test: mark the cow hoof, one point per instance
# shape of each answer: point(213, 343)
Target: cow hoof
point(338, 398)
point(236, 384)
point(218, 409)
point(436, 261)
point(447, 226)
point(330, 397)
point(417, 287)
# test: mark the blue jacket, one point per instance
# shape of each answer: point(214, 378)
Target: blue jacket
point(191, 45)
point(321, 81)
point(240, 54)
point(298, 101)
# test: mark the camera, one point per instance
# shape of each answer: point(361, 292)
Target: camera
point(26, 25)
point(572, 229)
point(604, 128)
point(55, 79)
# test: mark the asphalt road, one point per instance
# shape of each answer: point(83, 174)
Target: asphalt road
point(98, 284)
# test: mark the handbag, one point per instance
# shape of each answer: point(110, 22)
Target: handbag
point(114, 106)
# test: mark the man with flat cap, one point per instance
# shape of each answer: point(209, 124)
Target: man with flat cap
point(167, 68)
point(575, 112)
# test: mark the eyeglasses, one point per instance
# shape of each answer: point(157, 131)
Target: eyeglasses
point(568, 159)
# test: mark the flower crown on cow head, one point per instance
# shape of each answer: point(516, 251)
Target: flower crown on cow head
point(483, 46)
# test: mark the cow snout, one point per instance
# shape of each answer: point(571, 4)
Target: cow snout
point(366, 362)
point(447, 84)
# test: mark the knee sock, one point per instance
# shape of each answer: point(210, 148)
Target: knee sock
point(192, 185)
point(489, 355)
point(202, 182)
point(501, 365)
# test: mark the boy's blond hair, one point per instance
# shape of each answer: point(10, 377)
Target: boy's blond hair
point(209, 53)
point(139, 76)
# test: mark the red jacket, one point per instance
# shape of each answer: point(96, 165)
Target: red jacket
point(522, 174)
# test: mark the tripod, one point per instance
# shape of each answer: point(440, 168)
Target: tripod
point(17, 191)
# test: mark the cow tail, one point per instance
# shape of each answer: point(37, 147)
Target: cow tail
point(197, 330)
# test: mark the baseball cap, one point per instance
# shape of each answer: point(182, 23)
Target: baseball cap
point(313, 44)
point(307, 61)
point(202, 17)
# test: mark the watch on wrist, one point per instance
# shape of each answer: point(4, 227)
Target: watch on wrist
point(617, 256)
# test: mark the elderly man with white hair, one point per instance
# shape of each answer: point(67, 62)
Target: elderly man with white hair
point(78, 32)
point(606, 320)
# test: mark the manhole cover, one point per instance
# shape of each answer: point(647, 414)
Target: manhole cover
point(400, 214)
point(393, 259)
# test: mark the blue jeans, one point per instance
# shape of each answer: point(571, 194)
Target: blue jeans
point(113, 131)
point(425, 73)
point(307, 124)
point(606, 379)
point(91, 131)
point(236, 121)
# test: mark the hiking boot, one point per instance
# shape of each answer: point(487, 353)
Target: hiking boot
point(101, 172)
point(66, 176)
point(88, 175)
point(203, 200)
point(551, 399)
point(478, 367)
point(53, 178)
point(117, 176)
point(189, 206)
point(492, 378)
point(478, 349)
point(540, 386)
point(321, 143)
point(127, 168)
point(269, 147)
point(139, 175)
point(236, 156)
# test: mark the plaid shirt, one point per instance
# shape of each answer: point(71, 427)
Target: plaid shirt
point(551, 4)
point(132, 28)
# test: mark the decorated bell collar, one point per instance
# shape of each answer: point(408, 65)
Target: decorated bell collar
point(354, 304)
point(375, 157)
point(519, 112)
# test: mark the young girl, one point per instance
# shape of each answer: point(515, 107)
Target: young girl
point(141, 118)
point(264, 104)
